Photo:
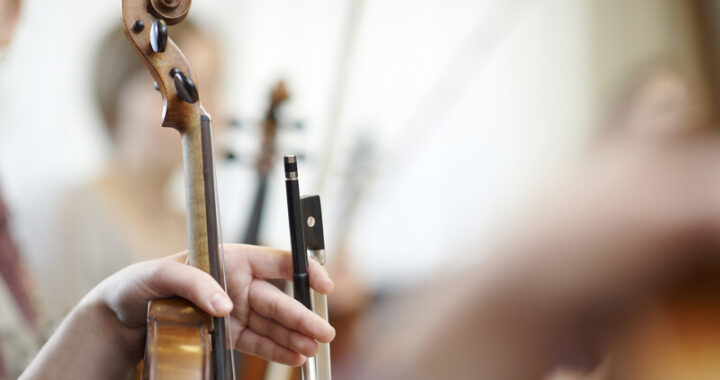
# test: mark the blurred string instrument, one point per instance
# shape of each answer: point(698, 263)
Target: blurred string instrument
point(264, 163)
point(183, 342)
point(251, 367)
point(677, 335)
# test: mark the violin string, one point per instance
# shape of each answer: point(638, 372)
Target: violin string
point(221, 267)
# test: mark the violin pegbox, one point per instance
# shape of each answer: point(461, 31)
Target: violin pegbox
point(146, 26)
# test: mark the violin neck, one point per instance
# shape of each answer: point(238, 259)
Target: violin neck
point(252, 231)
point(202, 220)
point(264, 165)
point(200, 196)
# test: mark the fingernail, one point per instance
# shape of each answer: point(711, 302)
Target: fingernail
point(221, 303)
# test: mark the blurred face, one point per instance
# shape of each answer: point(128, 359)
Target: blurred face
point(9, 11)
point(665, 105)
point(140, 138)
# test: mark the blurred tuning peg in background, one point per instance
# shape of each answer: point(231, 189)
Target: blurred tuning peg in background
point(236, 123)
point(233, 156)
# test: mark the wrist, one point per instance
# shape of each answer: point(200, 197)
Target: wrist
point(91, 343)
point(128, 341)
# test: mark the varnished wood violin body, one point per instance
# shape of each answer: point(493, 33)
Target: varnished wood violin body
point(178, 344)
point(183, 342)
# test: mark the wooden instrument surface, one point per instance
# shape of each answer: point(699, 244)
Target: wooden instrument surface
point(178, 341)
point(183, 342)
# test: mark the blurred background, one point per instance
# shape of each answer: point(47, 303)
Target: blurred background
point(424, 125)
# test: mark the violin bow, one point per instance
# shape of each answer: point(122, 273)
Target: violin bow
point(306, 234)
point(311, 211)
point(183, 342)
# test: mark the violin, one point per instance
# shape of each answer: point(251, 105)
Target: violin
point(251, 367)
point(183, 342)
point(264, 163)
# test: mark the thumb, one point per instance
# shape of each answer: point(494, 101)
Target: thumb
point(170, 278)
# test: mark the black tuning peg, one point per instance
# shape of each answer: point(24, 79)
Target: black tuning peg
point(233, 156)
point(158, 36)
point(185, 87)
point(138, 26)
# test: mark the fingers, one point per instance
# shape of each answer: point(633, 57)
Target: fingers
point(256, 344)
point(319, 277)
point(277, 264)
point(282, 335)
point(166, 278)
point(271, 303)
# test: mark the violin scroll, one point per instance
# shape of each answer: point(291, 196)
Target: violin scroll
point(146, 26)
point(171, 11)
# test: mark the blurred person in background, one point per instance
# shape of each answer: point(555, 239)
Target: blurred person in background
point(600, 280)
point(662, 104)
point(128, 214)
point(19, 330)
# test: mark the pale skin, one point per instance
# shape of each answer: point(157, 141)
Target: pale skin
point(103, 337)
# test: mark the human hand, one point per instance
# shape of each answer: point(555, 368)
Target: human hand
point(264, 321)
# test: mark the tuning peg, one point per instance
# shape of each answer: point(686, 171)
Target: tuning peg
point(233, 156)
point(158, 36)
point(299, 125)
point(156, 87)
point(138, 26)
point(185, 86)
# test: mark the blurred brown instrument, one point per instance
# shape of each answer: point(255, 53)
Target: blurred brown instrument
point(677, 335)
point(251, 367)
point(183, 342)
point(264, 163)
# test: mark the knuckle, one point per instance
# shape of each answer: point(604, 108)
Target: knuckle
point(258, 346)
point(274, 307)
point(301, 321)
point(156, 270)
point(194, 287)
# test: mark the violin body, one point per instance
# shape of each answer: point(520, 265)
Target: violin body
point(676, 336)
point(178, 342)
